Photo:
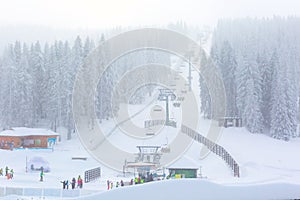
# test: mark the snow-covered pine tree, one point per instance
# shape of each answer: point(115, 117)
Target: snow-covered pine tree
point(205, 107)
point(25, 90)
point(51, 107)
point(267, 70)
point(279, 114)
point(9, 88)
point(17, 93)
point(38, 72)
point(227, 65)
point(68, 72)
point(249, 93)
point(284, 101)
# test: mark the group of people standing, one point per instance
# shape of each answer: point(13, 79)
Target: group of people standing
point(137, 180)
point(110, 184)
point(9, 173)
point(143, 178)
point(66, 183)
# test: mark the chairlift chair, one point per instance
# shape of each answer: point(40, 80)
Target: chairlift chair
point(176, 104)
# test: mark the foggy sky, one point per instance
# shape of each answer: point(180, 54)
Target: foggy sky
point(96, 14)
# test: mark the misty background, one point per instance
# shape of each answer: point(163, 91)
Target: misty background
point(255, 45)
point(50, 20)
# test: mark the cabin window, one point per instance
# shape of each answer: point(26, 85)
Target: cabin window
point(37, 142)
point(28, 142)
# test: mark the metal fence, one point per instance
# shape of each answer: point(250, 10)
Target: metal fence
point(213, 147)
point(92, 174)
point(44, 192)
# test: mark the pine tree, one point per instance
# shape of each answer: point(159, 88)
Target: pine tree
point(227, 65)
point(205, 107)
point(25, 90)
point(249, 94)
point(267, 70)
point(38, 70)
point(284, 102)
point(9, 87)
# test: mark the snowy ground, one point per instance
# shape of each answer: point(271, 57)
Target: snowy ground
point(266, 165)
point(200, 189)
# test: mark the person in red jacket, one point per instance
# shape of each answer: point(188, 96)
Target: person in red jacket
point(79, 182)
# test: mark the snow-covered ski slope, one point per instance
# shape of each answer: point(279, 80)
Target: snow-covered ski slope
point(269, 168)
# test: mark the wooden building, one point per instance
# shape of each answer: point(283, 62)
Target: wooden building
point(27, 138)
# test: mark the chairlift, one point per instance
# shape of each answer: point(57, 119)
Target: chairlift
point(176, 104)
point(180, 98)
point(172, 116)
point(150, 134)
point(157, 108)
point(183, 91)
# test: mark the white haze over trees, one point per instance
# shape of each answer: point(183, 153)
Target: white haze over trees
point(37, 82)
point(258, 59)
point(260, 63)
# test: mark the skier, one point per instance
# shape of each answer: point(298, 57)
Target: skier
point(117, 184)
point(8, 176)
point(108, 184)
point(64, 184)
point(111, 185)
point(79, 182)
point(6, 171)
point(73, 183)
point(135, 180)
point(42, 176)
point(67, 184)
point(1, 172)
point(11, 173)
point(122, 183)
point(12, 144)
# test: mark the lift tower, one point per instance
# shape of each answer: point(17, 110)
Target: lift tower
point(167, 95)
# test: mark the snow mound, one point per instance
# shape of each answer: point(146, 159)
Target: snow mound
point(200, 189)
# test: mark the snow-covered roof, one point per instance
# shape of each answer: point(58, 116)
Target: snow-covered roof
point(22, 131)
point(184, 163)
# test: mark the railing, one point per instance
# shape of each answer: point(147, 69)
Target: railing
point(44, 192)
point(213, 147)
point(92, 174)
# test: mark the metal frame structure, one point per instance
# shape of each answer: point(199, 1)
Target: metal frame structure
point(167, 95)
